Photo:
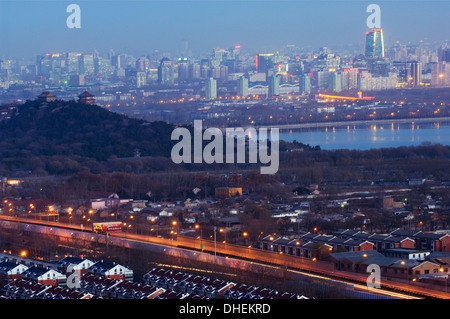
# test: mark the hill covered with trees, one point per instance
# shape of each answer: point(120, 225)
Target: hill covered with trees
point(68, 136)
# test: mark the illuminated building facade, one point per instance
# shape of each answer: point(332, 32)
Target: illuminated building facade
point(374, 44)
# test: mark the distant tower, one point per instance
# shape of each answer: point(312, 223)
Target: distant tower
point(374, 44)
point(305, 83)
point(264, 62)
point(243, 86)
point(274, 86)
point(141, 79)
point(211, 89)
point(165, 72)
point(86, 98)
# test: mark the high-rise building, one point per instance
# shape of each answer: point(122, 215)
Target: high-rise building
point(141, 79)
point(374, 44)
point(440, 74)
point(415, 73)
point(44, 64)
point(73, 63)
point(274, 86)
point(349, 79)
point(379, 67)
point(165, 71)
point(444, 54)
point(194, 71)
point(183, 69)
point(305, 83)
point(142, 64)
point(86, 64)
point(211, 89)
point(264, 62)
point(115, 61)
point(243, 86)
point(336, 81)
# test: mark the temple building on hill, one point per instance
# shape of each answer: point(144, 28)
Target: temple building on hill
point(46, 97)
point(86, 98)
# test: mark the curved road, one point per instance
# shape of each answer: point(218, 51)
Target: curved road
point(320, 269)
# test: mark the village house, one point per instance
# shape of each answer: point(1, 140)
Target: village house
point(111, 270)
point(433, 241)
point(23, 289)
point(403, 268)
point(80, 265)
point(44, 275)
point(11, 270)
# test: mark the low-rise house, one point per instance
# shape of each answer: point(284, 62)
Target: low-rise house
point(97, 285)
point(389, 266)
point(129, 290)
point(23, 289)
point(80, 265)
point(404, 253)
point(441, 258)
point(226, 192)
point(56, 292)
point(433, 241)
point(45, 276)
point(357, 261)
point(411, 268)
point(111, 270)
point(11, 270)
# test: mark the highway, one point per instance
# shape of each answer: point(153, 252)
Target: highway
point(321, 269)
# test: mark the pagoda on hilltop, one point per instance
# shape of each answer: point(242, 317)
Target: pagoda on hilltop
point(86, 98)
point(46, 97)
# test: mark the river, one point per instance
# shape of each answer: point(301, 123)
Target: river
point(367, 136)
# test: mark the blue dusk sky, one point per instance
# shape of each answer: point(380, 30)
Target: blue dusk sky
point(28, 28)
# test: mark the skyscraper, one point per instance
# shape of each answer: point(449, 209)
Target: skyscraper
point(183, 69)
point(265, 62)
point(415, 73)
point(243, 86)
point(165, 71)
point(115, 61)
point(44, 64)
point(440, 74)
point(374, 44)
point(336, 81)
point(86, 64)
point(211, 89)
point(305, 83)
point(73, 63)
point(274, 86)
point(141, 79)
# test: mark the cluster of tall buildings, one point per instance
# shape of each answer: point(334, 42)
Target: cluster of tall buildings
point(269, 74)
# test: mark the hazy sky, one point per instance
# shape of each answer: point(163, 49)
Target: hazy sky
point(28, 28)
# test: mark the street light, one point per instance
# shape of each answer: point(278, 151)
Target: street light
point(245, 234)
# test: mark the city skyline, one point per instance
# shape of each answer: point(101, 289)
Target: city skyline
point(140, 27)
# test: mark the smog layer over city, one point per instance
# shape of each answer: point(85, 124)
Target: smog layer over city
point(238, 158)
